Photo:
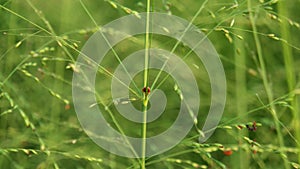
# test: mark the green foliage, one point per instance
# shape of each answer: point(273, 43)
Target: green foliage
point(258, 42)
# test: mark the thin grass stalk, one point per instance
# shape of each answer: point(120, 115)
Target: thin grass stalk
point(7, 69)
point(11, 58)
point(145, 98)
point(58, 68)
point(289, 67)
point(267, 86)
point(241, 95)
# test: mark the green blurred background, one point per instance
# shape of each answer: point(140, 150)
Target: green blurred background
point(258, 42)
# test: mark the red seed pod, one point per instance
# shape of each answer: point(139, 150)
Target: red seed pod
point(227, 152)
point(254, 126)
point(240, 127)
point(67, 107)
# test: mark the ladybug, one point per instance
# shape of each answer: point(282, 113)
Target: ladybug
point(146, 90)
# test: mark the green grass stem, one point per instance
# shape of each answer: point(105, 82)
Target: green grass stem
point(241, 96)
point(289, 67)
point(145, 98)
point(267, 85)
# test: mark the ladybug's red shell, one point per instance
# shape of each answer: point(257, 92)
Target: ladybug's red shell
point(146, 89)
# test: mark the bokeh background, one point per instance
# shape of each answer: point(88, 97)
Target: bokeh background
point(258, 42)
